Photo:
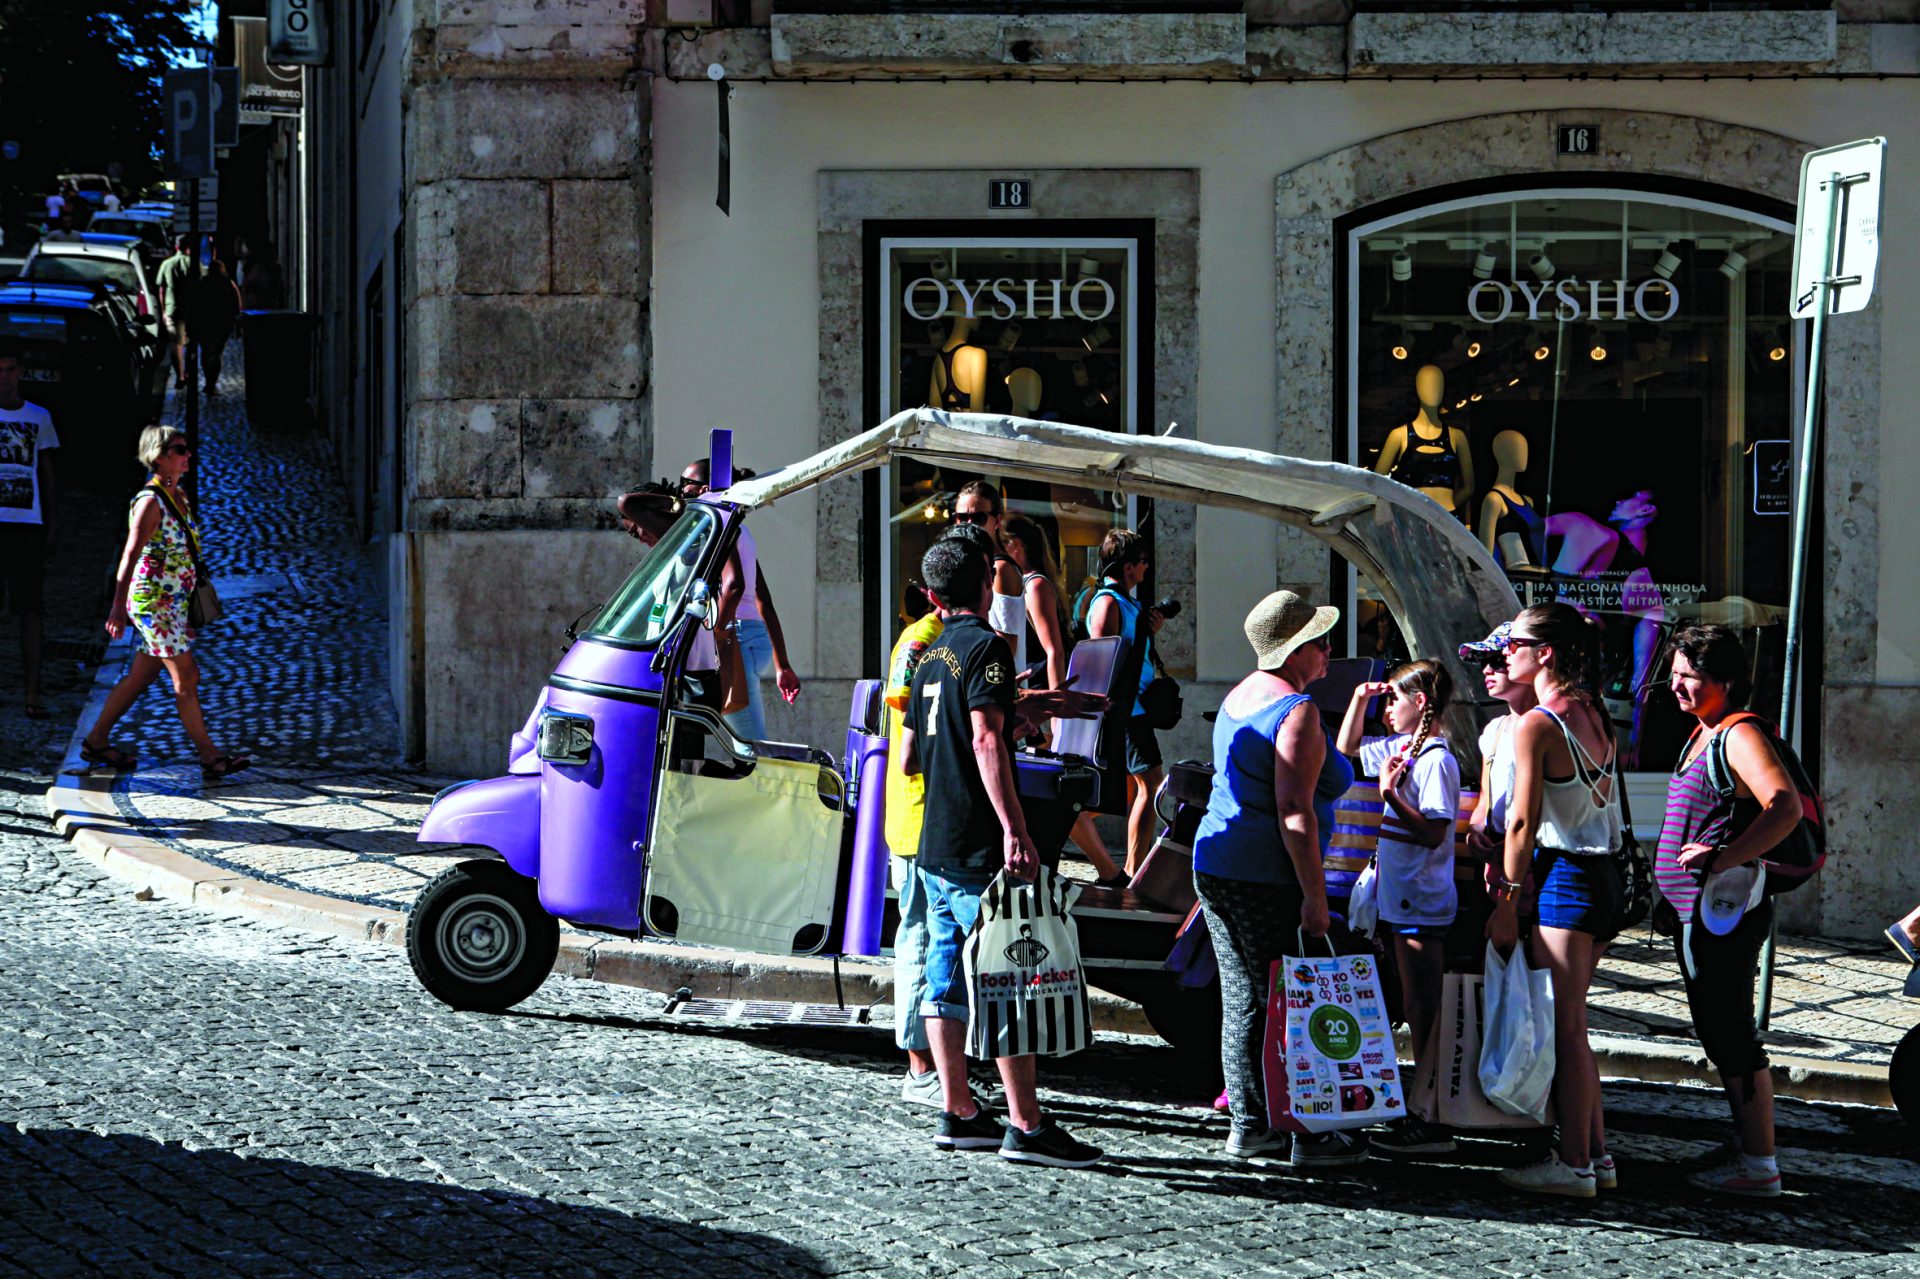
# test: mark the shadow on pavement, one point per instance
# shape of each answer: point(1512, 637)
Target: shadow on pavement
point(79, 1203)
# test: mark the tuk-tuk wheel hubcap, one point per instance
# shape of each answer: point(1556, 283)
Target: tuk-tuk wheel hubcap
point(481, 939)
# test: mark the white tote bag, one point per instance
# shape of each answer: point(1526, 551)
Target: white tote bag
point(1516, 1044)
point(1363, 907)
point(1026, 991)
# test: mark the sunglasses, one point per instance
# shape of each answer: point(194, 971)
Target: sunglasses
point(178, 450)
point(1524, 641)
point(974, 517)
point(1322, 641)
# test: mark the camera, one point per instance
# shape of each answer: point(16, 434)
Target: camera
point(1168, 607)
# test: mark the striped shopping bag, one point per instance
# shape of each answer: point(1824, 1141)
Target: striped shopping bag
point(1026, 990)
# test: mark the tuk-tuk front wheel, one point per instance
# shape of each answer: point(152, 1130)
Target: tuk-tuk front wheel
point(479, 939)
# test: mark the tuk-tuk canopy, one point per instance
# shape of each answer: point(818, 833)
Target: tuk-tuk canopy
point(1434, 576)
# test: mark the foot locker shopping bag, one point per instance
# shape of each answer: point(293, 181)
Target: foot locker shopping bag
point(1329, 1059)
point(1026, 992)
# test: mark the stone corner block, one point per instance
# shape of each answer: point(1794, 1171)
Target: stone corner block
point(526, 129)
point(465, 448)
point(600, 238)
point(541, 347)
point(482, 237)
point(584, 448)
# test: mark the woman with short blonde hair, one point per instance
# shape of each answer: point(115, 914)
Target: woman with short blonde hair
point(159, 571)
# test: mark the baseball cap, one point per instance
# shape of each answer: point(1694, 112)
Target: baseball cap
point(1729, 894)
point(1486, 650)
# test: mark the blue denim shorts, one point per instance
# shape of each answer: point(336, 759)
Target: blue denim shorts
point(952, 906)
point(1580, 892)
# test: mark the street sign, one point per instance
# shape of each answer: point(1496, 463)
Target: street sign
point(264, 85)
point(298, 32)
point(226, 106)
point(1851, 260)
point(1577, 139)
point(187, 98)
point(209, 204)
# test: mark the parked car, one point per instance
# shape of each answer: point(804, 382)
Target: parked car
point(89, 258)
point(151, 230)
point(93, 187)
point(87, 362)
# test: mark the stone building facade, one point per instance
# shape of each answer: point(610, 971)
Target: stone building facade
point(532, 300)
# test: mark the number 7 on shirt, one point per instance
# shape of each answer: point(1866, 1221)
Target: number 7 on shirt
point(932, 693)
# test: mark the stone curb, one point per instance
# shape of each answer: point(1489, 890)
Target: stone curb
point(83, 811)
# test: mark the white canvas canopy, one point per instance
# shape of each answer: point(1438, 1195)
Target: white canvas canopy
point(1437, 580)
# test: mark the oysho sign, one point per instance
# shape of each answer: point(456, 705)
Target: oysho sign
point(1655, 300)
point(1089, 299)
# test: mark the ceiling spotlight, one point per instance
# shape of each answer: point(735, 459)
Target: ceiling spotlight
point(1599, 351)
point(1515, 382)
point(1475, 397)
point(1089, 267)
point(1403, 266)
point(1669, 263)
point(1096, 337)
point(1473, 349)
point(1541, 265)
point(1483, 263)
point(1542, 351)
point(1010, 336)
point(1459, 404)
point(1733, 264)
point(1777, 351)
point(1400, 351)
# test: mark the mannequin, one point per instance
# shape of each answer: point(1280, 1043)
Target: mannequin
point(1427, 455)
point(960, 372)
point(1024, 387)
point(1509, 526)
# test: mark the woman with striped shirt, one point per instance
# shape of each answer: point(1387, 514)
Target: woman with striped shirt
point(1702, 835)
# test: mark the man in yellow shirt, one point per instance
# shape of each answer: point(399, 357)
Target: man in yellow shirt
point(906, 806)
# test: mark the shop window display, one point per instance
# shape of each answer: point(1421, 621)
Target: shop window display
point(1038, 329)
point(1600, 386)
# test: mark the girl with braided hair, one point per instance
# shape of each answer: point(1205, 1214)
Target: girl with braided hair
point(1420, 784)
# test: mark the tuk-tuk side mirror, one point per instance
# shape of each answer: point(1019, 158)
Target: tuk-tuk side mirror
point(700, 603)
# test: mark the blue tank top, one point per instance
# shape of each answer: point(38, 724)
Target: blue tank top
point(1239, 837)
point(1129, 623)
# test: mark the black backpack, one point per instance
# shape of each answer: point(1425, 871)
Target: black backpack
point(1795, 859)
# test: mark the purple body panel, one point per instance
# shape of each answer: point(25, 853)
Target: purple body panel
point(865, 766)
point(502, 814)
point(521, 759)
point(594, 816)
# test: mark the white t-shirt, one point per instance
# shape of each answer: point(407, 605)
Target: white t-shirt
point(25, 433)
point(1416, 883)
point(1494, 741)
point(55, 204)
point(112, 202)
point(1008, 615)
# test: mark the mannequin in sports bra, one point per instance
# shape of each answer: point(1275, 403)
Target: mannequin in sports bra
point(960, 371)
point(1426, 455)
point(1509, 525)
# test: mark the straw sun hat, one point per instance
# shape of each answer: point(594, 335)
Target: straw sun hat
point(1283, 622)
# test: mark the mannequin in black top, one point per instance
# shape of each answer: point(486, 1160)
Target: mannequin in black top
point(1427, 455)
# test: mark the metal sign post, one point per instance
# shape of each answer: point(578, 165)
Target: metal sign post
point(1836, 258)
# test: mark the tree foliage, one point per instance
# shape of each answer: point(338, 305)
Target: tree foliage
point(80, 86)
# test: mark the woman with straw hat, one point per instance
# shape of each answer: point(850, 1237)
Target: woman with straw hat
point(1256, 856)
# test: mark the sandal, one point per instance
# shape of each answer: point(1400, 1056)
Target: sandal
point(110, 755)
point(223, 766)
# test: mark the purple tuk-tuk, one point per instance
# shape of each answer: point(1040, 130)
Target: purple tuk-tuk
point(629, 807)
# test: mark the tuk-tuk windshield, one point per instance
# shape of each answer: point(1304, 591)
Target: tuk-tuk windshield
point(649, 601)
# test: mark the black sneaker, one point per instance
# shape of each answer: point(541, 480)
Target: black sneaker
point(1050, 1146)
point(1329, 1149)
point(978, 1131)
point(1412, 1136)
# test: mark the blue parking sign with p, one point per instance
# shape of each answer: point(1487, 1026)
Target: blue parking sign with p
point(188, 98)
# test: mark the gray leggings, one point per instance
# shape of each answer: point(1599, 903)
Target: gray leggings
point(1251, 925)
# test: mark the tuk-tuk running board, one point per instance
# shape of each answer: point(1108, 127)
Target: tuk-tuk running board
point(760, 1012)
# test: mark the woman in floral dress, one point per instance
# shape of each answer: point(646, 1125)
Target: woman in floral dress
point(151, 592)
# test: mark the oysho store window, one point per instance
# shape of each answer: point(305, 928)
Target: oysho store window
point(1043, 328)
point(1600, 384)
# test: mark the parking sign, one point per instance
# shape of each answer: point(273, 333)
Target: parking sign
point(188, 98)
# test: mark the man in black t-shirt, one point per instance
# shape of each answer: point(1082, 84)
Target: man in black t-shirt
point(959, 711)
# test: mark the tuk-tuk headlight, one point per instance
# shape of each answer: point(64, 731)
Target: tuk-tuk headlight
point(564, 737)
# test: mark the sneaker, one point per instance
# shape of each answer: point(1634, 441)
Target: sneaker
point(1732, 1178)
point(1605, 1175)
point(978, 1131)
point(924, 1090)
point(1550, 1177)
point(1330, 1149)
point(1050, 1146)
point(1257, 1145)
point(1412, 1136)
point(1221, 1103)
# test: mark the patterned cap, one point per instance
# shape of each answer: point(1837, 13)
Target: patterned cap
point(1492, 647)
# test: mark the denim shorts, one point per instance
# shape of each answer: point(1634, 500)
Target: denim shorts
point(1143, 748)
point(1580, 892)
point(909, 955)
point(952, 906)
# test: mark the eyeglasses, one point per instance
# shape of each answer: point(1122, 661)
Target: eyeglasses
point(973, 517)
point(1322, 641)
point(178, 450)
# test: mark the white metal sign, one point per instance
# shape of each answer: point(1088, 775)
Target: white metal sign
point(1841, 198)
point(298, 32)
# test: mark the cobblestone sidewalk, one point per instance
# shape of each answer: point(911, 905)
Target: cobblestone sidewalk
point(295, 673)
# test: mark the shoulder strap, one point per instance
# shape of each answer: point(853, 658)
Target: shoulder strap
point(1719, 771)
point(186, 525)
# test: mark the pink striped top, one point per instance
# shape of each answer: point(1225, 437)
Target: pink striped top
point(1695, 815)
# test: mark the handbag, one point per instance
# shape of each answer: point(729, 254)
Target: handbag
point(1636, 871)
point(1160, 701)
point(203, 606)
point(1026, 990)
